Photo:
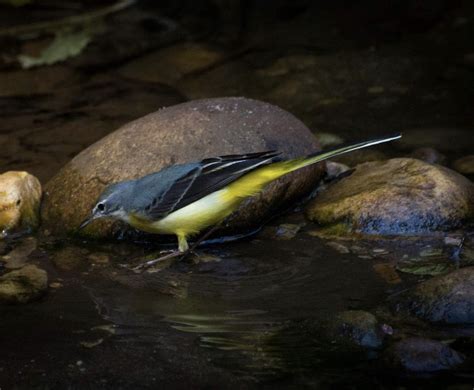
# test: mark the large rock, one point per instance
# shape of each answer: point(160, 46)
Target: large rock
point(398, 196)
point(447, 299)
point(182, 133)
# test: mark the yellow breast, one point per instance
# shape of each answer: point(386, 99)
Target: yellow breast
point(192, 218)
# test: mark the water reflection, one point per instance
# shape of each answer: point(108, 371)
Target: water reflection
point(233, 302)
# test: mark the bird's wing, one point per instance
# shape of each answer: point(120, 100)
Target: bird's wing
point(208, 176)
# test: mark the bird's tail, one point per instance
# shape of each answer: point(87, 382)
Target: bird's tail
point(293, 165)
point(253, 182)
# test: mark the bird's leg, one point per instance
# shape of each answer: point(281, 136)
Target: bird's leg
point(183, 248)
point(204, 236)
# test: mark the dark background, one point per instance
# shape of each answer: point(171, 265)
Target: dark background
point(351, 68)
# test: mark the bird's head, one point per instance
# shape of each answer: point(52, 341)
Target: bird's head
point(110, 204)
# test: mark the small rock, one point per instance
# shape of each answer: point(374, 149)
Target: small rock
point(55, 285)
point(465, 165)
point(329, 139)
point(356, 327)
point(18, 257)
point(429, 155)
point(334, 170)
point(339, 247)
point(447, 299)
point(422, 355)
point(398, 196)
point(287, 231)
point(20, 195)
point(23, 285)
point(455, 241)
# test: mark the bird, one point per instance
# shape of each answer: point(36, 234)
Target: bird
point(185, 199)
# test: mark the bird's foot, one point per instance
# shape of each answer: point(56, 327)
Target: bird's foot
point(150, 263)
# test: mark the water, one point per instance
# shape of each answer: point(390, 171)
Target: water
point(235, 314)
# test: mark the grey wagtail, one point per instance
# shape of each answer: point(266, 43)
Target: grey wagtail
point(185, 199)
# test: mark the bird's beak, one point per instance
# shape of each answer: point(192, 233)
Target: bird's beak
point(86, 222)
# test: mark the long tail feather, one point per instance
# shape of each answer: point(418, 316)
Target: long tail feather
point(253, 182)
point(337, 151)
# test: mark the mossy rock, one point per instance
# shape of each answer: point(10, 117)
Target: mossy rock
point(393, 197)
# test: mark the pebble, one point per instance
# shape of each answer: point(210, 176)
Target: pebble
point(465, 165)
point(339, 247)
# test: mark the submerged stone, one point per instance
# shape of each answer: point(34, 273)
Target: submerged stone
point(356, 327)
point(398, 196)
point(447, 299)
point(182, 133)
point(417, 354)
point(23, 285)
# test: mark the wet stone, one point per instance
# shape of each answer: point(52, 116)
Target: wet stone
point(68, 258)
point(465, 165)
point(447, 299)
point(356, 327)
point(20, 195)
point(398, 196)
point(182, 133)
point(422, 355)
point(18, 257)
point(24, 285)
point(334, 170)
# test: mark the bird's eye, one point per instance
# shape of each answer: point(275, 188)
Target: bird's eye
point(100, 207)
point(18, 202)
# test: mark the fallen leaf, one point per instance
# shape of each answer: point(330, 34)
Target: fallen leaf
point(425, 269)
point(66, 44)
